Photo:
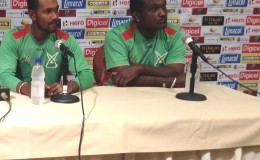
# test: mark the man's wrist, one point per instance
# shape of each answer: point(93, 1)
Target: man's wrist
point(73, 87)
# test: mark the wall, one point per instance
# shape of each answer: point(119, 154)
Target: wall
point(227, 31)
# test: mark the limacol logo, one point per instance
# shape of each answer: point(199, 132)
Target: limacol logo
point(232, 85)
point(230, 58)
point(234, 30)
point(117, 21)
point(236, 3)
point(74, 4)
point(76, 33)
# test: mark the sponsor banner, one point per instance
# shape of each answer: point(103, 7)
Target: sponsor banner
point(236, 3)
point(251, 48)
point(250, 92)
point(19, 4)
point(212, 58)
point(5, 24)
point(253, 85)
point(215, 3)
point(90, 52)
point(229, 74)
point(76, 33)
point(16, 14)
point(254, 3)
point(253, 66)
point(2, 13)
point(193, 31)
point(199, 11)
point(254, 39)
point(253, 20)
point(97, 22)
point(101, 12)
point(93, 33)
point(118, 12)
point(73, 4)
point(235, 20)
point(249, 75)
point(173, 3)
point(252, 30)
point(114, 22)
point(212, 40)
point(204, 67)
point(97, 42)
point(120, 3)
point(232, 85)
point(212, 20)
point(67, 13)
point(191, 21)
point(231, 48)
point(98, 4)
point(210, 49)
point(229, 58)
point(198, 39)
point(208, 76)
point(215, 11)
point(175, 20)
point(212, 30)
point(192, 3)
point(84, 43)
point(228, 11)
point(246, 11)
point(84, 12)
point(172, 11)
point(184, 11)
point(233, 30)
point(231, 67)
point(250, 58)
point(73, 23)
point(256, 11)
point(5, 4)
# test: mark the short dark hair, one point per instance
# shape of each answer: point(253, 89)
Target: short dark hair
point(33, 4)
point(136, 5)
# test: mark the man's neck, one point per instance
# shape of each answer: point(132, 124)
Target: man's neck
point(38, 34)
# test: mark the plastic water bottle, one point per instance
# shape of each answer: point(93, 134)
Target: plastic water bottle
point(37, 84)
point(196, 76)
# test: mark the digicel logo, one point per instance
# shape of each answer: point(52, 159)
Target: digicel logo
point(193, 3)
point(19, 4)
point(97, 23)
point(249, 76)
point(90, 52)
point(251, 48)
point(193, 31)
point(253, 20)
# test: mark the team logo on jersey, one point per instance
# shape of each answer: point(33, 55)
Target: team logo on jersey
point(52, 60)
point(132, 59)
point(160, 58)
point(26, 59)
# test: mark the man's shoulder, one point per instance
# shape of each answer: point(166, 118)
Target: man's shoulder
point(171, 29)
point(19, 32)
point(124, 30)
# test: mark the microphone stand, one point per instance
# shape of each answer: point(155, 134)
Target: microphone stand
point(65, 97)
point(191, 96)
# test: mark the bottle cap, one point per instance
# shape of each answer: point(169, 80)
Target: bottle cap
point(37, 60)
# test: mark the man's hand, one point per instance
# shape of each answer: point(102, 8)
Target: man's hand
point(54, 89)
point(126, 74)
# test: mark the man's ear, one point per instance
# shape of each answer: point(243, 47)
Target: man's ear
point(136, 15)
point(32, 14)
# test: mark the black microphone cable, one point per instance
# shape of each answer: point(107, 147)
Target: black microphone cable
point(7, 99)
point(232, 78)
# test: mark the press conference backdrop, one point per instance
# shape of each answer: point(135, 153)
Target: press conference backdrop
point(227, 31)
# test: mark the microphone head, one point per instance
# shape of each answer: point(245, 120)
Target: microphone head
point(58, 43)
point(185, 38)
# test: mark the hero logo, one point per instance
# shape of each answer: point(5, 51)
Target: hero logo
point(230, 58)
point(90, 52)
point(251, 48)
point(67, 23)
point(234, 31)
point(232, 75)
point(121, 3)
point(235, 20)
point(74, 4)
point(193, 31)
point(19, 4)
point(193, 3)
point(117, 21)
point(234, 48)
point(253, 20)
point(97, 22)
point(249, 76)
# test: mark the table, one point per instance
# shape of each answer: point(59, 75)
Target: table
point(131, 120)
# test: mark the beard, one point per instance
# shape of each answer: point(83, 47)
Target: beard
point(45, 29)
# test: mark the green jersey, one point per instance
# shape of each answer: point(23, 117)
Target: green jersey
point(125, 45)
point(19, 49)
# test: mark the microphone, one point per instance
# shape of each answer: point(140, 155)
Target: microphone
point(59, 44)
point(4, 93)
point(196, 50)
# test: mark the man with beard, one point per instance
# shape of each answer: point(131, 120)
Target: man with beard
point(147, 51)
point(21, 46)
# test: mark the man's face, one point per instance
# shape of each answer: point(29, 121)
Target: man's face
point(47, 15)
point(153, 15)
